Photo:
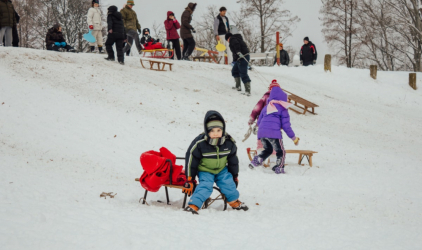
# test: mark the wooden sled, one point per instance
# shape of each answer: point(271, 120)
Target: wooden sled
point(302, 154)
point(158, 63)
point(158, 53)
point(215, 196)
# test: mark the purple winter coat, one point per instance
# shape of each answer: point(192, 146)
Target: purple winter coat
point(270, 125)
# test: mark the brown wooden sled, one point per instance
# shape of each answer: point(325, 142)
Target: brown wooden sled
point(302, 154)
point(158, 63)
point(307, 105)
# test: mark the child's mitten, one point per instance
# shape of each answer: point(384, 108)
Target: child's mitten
point(91, 27)
point(296, 140)
point(189, 187)
point(236, 181)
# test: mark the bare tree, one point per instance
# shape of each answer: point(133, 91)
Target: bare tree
point(159, 31)
point(271, 18)
point(251, 34)
point(205, 29)
point(340, 28)
point(407, 23)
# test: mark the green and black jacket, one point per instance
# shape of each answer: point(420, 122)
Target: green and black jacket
point(210, 156)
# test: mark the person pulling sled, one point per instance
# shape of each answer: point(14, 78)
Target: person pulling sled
point(212, 156)
point(241, 60)
point(274, 117)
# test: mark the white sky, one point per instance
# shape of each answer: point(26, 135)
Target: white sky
point(307, 10)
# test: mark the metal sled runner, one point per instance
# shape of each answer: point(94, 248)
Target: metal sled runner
point(215, 196)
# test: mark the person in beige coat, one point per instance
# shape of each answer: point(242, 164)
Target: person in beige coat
point(94, 22)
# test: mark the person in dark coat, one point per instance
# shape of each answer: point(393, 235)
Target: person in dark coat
point(172, 25)
point(7, 22)
point(241, 60)
point(116, 34)
point(15, 35)
point(55, 40)
point(308, 53)
point(284, 57)
point(186, 31)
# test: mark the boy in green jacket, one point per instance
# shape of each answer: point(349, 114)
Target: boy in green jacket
point(212, 157)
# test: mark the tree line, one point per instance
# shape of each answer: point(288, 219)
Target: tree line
point(386, 33)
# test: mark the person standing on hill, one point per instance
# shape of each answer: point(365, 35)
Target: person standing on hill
point(116, 34)
point(172, 25)
point(284, 57)
point(131, 22)
point(186, 32)
point(94, 22)
point(241, 58)
point(7, 21)
point(221, 28)
point(308, 53)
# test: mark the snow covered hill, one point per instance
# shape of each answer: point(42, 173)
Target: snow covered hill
point(74, 125)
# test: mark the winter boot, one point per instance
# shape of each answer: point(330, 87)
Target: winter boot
point(238, 205)
point(121, 63)
point(91, 49)
point(192, 208)
point(186, 58)
point(72, 50)
point(100, 49)
point(247, 89)
point(278, 170)
point(256, 162)
point(110, 59)
point(238, 84)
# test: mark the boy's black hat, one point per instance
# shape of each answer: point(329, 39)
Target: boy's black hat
point(306, 39)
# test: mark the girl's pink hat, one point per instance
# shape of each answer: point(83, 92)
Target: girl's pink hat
point(274, 84)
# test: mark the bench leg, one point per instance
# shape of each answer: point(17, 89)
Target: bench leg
point(300, 159)
point(167, 196)
point(145, 197)
point(184, 201)
point(310, 160)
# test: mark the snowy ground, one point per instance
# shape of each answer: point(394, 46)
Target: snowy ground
point(74, 125)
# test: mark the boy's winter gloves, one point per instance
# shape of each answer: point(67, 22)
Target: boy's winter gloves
point(189, 187)
point(91, 27)
point(236, 181)
point(296, 140)
point(193, 30)
point(139, 31)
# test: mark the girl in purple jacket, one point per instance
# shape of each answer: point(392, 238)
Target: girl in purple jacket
point(274, 117)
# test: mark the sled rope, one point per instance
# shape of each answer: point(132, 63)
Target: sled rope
point(248, 134)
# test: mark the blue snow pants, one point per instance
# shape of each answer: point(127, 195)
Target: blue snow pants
point(203, 191)
point(240, 69)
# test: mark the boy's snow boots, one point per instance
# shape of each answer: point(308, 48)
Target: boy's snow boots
point(238, 84)
point(192, 208)
point(238, 205)
point(109, 59)
point(91, 49)
point(100, 49)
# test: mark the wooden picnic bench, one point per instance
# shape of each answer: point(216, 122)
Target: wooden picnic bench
point(158, 63)
point(307, 105)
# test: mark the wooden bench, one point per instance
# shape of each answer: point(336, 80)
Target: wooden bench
point(307, 105)
point(302, 154)
point(158, 63)
point(209, 59)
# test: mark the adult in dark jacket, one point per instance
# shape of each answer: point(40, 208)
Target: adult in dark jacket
point(172, 25)
point(15, 35)
point(186, 31)
point(7, 21)
point(308, 53)
point(221, 28)
point(240, 69)
point(284, 57)
point(55, 40)
point(116, 34)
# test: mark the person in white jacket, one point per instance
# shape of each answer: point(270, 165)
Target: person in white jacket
point(94, 22)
